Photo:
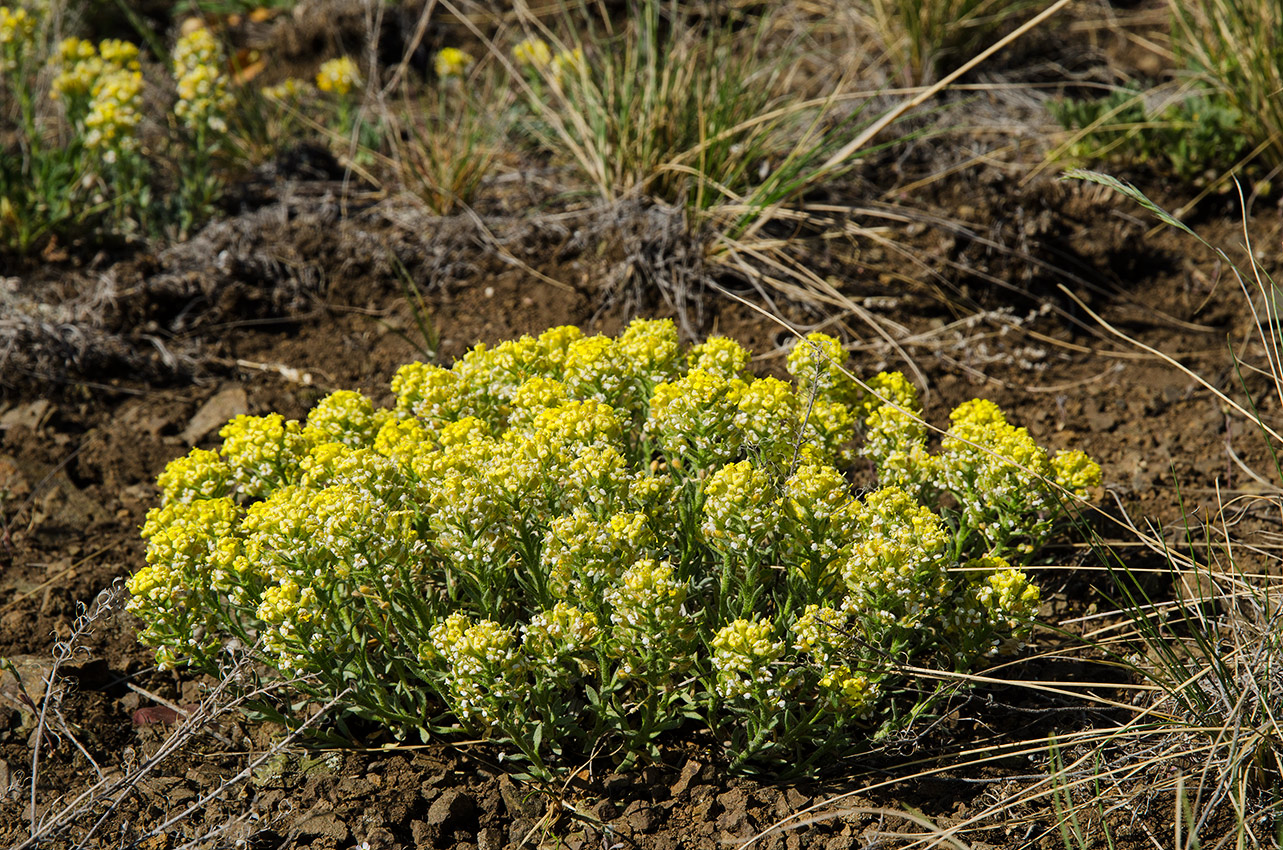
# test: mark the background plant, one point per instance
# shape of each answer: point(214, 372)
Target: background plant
point(451, 135)
point(685, 110)
point(576, 541)
point(62, 181)
point(204, 101)
point(926, 39)
point(81, 154)
point(1234, 48)
point(1198, 137)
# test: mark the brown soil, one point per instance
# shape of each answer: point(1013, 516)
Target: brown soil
point(119, 365)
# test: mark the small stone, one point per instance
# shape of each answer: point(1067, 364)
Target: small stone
point(453, 810)
point(323, 824)
point(639, 816)
point(490, 838)
point(519, 800)
point(689, 771)
point(32, 415)
point(215, 413)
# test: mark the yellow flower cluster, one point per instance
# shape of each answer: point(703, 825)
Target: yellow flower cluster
point(744, 655)
point(898, 565)
point(338, 76)
point(204, 98)
point(768, 417)
point(192, 549)
point(344, 417)
point(532, 53)
point(103, 89)
point(1009, 594)
point(560, 631)
point(200, 474)
point(995, 470)
point(694, 415)
point(568, 64)
point(818, 365)
point(820, 513)
point(81, 65)
point(825, 635)
point(286, 91)
point(999, 604)
point(583, 555)
point(452, 62)
point(1076, 473)
point(263, 452)
point(115, 108)
point(853, 692)
point(17, 28)
point(647, 616)
point(600, 521)
point(895, 435)
point(719, 355)
point(16, 25)
point(484, 664)
point(535, 54)
point(741, 513)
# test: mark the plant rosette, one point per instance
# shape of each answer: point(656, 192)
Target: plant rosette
point(569, 542)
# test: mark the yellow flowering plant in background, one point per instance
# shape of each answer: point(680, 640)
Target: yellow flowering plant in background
point(340, 80)
point(97, 172)
point(575, 543)
point(451, 62)
point(204, 102)
point(82, 150)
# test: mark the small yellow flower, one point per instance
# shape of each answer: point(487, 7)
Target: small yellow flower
point(532, 53)
point(114, 112)
point(16, 25)
point(287, 90)
point(339, 76)
point(568, 64)
point(203, 96)
point(453, 62)
point(121, 54)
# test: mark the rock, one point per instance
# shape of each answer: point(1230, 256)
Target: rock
point(213, 414)
point(689, 771)
point(453, 811)
point(490, 838)
point(319, 823)
point(734, 818)
point(519, 800)
point(32, 415)
point(25, 690)
point(640, 817)
point(13, 484)
point(796, 800)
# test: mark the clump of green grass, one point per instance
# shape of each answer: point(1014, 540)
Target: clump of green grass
point(451, 136)
point(688, 111)
point(926, 39)
point(1230, 51)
